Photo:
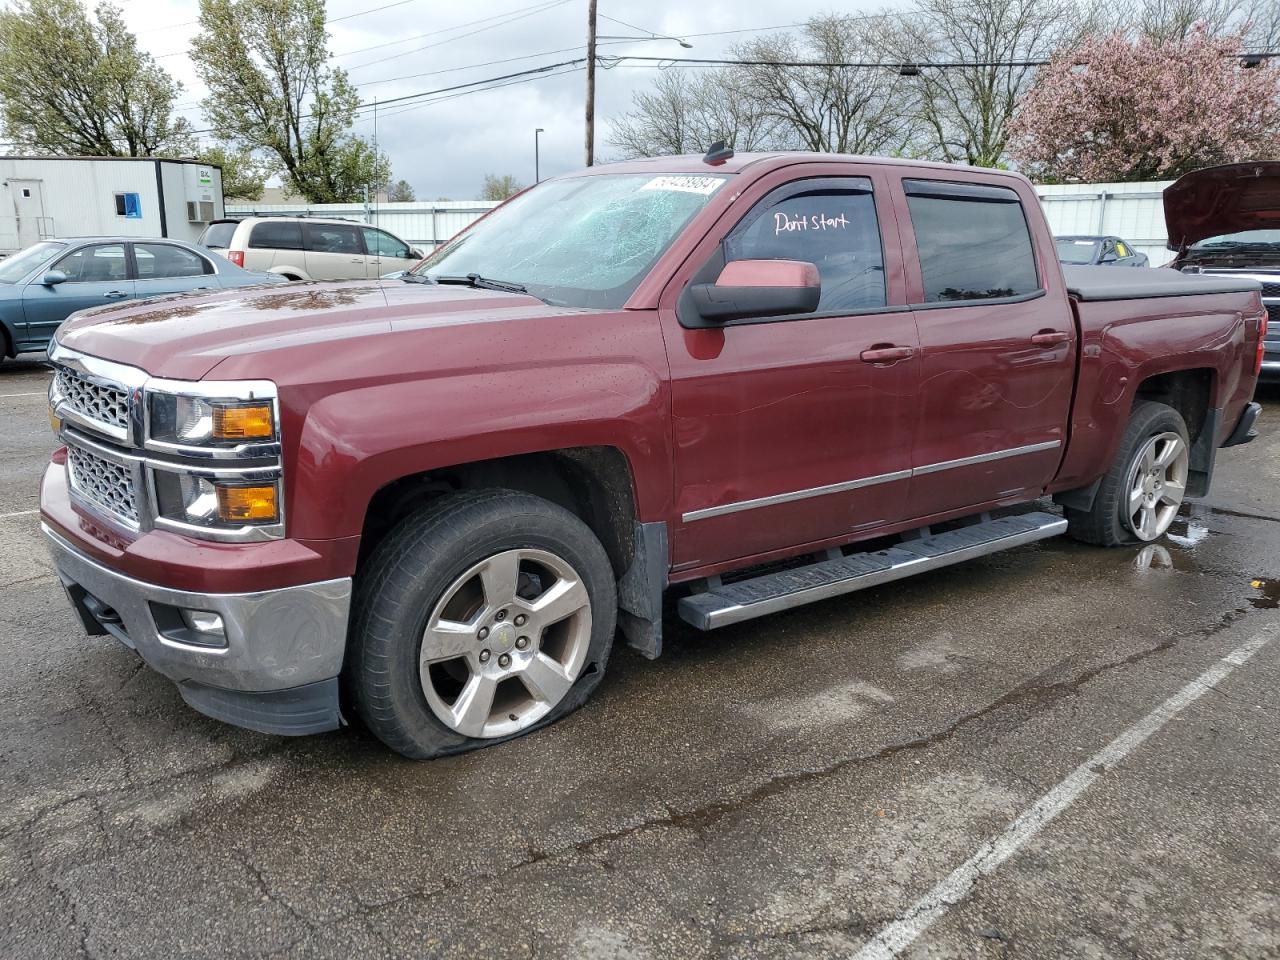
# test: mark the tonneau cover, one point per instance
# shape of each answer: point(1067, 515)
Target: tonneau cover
point(1137, 283)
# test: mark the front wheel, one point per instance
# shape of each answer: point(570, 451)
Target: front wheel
point(1142, 492)
point(481, 617)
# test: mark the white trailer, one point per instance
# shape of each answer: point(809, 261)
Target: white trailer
point(44, 197)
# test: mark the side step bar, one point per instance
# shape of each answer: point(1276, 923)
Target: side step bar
point(722, 604)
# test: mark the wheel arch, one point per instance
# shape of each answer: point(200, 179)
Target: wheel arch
point(595, 483)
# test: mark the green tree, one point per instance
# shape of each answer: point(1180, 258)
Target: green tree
point(499, 187)
point(401, 192)
point(271, 88)
point(72, 84)
point(244, 174)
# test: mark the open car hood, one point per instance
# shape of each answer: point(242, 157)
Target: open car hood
point(1218, 200)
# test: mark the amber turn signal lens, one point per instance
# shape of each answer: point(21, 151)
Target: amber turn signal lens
point(246, 504)
point(243, 423)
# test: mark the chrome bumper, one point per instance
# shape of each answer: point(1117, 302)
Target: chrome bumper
point(275, 640)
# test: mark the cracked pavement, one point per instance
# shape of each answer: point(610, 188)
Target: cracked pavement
point(783, 788)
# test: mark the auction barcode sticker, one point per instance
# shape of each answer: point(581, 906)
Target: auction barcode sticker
point(703, 185)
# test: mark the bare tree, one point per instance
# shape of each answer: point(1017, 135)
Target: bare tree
point(686, 112)
point(964, 110)
point(837, 109)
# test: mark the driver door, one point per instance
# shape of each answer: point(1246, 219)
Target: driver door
point(97, 274)
point(786, 431)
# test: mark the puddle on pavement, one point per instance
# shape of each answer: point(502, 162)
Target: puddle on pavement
point(1177, 549)
point(1268, 597)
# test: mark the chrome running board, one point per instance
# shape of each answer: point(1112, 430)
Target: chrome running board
point(719, 604)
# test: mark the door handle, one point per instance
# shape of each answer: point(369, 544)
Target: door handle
point(115, 294)
point(357, 259)
point(887, 354)
point(1049, 338)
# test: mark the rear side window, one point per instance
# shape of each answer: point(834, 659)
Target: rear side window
point(276, 235)
point(832, 225)
point(161, 260)
point(333, 238)
point(217, 236)
point(973, 241)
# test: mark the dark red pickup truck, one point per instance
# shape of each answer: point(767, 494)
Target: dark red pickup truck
point(430, 501)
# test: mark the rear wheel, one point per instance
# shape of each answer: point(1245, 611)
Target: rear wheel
point(482, 617)
point(1141, 494)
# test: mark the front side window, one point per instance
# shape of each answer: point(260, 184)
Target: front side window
point(333, 238)
point(276, 235)
point(833, 227)
point(381, 244)
point(973, 241)
point(162, 260)
point(101, 263)
point(583, 241)
point(14, 268)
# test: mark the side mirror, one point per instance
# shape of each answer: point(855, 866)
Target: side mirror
point(749, 289)
point(53, 278)
point(416, 254)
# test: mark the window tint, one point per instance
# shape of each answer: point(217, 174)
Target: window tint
point(834, 228)
point(276, 235)
point(382, 244)
point(972, 240)
point(96, 264)
point(217, 236)
point(333, 238)
point(157, 260)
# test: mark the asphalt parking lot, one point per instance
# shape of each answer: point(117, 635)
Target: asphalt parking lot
point(1011, 758)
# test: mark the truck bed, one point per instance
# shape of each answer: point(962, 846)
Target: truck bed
point(1120, 283)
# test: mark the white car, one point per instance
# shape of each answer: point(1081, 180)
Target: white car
point(309, 248)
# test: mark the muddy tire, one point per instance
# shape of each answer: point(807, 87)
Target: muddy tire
point(482, 617)
point(1141, 493)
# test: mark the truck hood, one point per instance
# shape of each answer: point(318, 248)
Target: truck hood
point(1218, 200)
point(185, 337)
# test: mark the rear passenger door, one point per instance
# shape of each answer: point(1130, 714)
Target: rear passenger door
point(162, 268)
point(386, 253)
point(997, 340)
point(334, 251)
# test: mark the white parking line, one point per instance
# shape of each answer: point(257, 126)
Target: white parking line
point(922, 914)
point(10, 396)
point(19, 513)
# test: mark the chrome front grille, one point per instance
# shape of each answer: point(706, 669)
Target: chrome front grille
point(106, 484)
point(96, 402)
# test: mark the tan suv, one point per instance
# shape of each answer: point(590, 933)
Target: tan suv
point(309, 248)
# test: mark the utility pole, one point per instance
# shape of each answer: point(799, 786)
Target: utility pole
point(591, 82)
point(537, 173)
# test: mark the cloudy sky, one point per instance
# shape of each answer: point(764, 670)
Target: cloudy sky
point(445, 148)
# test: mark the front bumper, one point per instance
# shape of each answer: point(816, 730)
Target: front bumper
point(276, 668)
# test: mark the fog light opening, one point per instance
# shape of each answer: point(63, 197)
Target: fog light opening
point(205, 622)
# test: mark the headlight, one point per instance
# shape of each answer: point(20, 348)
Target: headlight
point(204, 421)
point(212, 502)
point(55, 398)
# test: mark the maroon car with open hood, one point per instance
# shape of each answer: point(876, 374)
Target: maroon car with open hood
point(1227, 220)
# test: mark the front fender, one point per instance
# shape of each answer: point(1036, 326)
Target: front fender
point(358, 440)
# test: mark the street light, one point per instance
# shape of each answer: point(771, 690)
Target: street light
point(537, 178)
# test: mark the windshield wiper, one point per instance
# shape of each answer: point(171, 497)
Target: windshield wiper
point(484, 283)
point(416, 278)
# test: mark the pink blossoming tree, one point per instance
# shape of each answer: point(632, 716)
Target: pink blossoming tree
point(1116, 109)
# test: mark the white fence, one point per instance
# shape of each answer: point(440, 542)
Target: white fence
point(1131, 211)
point(419, 224)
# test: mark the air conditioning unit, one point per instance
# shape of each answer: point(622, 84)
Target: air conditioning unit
point(199, 211)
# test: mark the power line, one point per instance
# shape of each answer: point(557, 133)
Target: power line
point(361, 13)
point(439, 43)
point(436, 33)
